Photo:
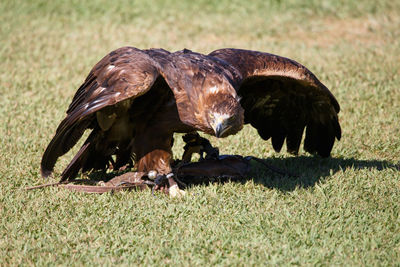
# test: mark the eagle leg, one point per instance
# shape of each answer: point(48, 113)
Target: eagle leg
point(153, 150)
point(197, 144)
point(167, 184)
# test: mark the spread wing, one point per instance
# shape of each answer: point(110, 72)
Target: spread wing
point(282, 97)
point(114, 81)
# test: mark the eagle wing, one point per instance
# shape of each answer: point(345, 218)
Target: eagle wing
point(119, 77)
point(281, 98)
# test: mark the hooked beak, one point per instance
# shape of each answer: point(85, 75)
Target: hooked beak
point(219, 130)
point(221, 126)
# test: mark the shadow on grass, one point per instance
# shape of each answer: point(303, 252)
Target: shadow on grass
point(309, 171)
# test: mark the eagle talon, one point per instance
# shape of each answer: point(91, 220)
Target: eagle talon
point(197, 144)
point(160, 180)
point(160, 183)
point(172, 188)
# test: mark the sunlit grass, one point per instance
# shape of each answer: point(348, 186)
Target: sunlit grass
point(340, 211)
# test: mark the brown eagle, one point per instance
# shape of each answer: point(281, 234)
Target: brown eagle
point(133, 101)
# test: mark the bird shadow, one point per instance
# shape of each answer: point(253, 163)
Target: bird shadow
point(284, 174)
point(302, 171)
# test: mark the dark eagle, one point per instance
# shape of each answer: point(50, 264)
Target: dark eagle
point(133, 101)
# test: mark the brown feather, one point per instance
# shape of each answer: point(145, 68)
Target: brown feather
point(281, 97)
point(123, 74)
point(135, 100)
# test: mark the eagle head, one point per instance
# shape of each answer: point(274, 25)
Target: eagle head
point(225, 115)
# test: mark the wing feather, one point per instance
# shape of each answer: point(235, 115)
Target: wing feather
point(124, 74)
point(281, 97)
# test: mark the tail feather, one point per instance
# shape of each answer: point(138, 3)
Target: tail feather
point(72, 170)
point(95, 154)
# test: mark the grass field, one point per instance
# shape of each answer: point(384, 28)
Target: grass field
point(341, 211)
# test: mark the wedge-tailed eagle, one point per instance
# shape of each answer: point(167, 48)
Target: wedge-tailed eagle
point(133, 101)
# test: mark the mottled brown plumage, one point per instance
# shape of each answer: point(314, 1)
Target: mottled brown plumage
point(133, 101)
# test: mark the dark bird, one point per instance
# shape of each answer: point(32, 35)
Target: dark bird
point(133, 101)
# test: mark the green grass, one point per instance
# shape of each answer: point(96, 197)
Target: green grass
point(340, 211)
